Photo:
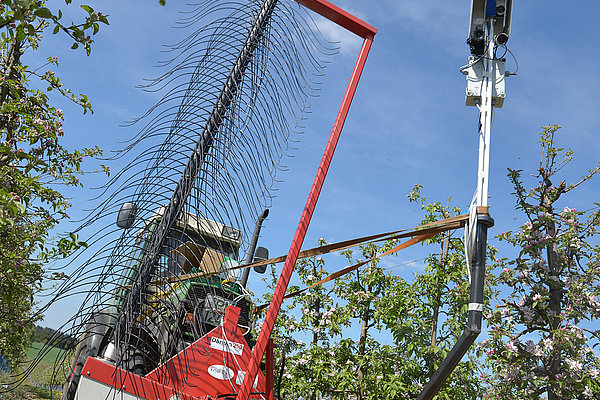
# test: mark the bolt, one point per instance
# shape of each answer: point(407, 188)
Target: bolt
point(89, 373)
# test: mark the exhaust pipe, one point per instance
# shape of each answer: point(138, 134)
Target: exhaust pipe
point(252, 249)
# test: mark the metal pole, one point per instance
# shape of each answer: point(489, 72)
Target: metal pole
point(477, 272)
point(486, 109)
point(475, 316)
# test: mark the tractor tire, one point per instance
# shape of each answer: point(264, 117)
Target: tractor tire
point(140, 355)
point(135, 362)
point(92, 342)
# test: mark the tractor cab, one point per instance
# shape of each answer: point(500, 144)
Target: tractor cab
point(195, 245)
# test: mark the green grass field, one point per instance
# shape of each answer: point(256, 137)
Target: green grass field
point(50, 354)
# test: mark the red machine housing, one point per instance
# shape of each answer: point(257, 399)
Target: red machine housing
point(213, 367)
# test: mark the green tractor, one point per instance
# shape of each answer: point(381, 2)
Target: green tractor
point(192, 285)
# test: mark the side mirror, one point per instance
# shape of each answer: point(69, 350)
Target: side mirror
point(261, 254)
point(126, 215)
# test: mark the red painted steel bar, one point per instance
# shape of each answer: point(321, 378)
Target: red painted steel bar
point(311, 202)
point(340, 17)
point(269, 378)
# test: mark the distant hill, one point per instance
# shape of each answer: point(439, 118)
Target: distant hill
point(59, 339)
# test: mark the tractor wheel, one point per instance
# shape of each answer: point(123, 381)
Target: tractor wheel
point(136, 362)
point(92, 342)
point(143, 354)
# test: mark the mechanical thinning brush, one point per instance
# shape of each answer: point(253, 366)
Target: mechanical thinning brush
point(198, 174)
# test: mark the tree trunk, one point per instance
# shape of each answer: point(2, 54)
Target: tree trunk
point(556, 297)
point(362, 342)
point(430, 358)
point(13, 59)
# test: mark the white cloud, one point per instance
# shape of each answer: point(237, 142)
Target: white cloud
point(441, 18)
point(349, 43)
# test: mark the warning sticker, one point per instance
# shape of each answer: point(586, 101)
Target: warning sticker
point(240, 378)
point(226, 345)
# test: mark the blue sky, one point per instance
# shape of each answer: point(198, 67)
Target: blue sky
point(408, 123)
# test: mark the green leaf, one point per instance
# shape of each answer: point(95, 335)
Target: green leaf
point(87, 8)
point(43, 12)
point(75, 45)
point(56, 29)
point(20, 34)
point(20, 207)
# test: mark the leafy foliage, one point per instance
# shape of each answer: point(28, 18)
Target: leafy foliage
point(33, 163)
point(428, 314)
point(374, 334)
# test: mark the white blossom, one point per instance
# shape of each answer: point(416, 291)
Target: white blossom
point(575, 365)
point(510, 346)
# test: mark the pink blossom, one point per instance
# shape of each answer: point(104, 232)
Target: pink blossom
point(510, 346)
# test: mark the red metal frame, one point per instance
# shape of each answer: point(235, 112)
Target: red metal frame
point(340, 17)
point(367, 32)
point(269, 381)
